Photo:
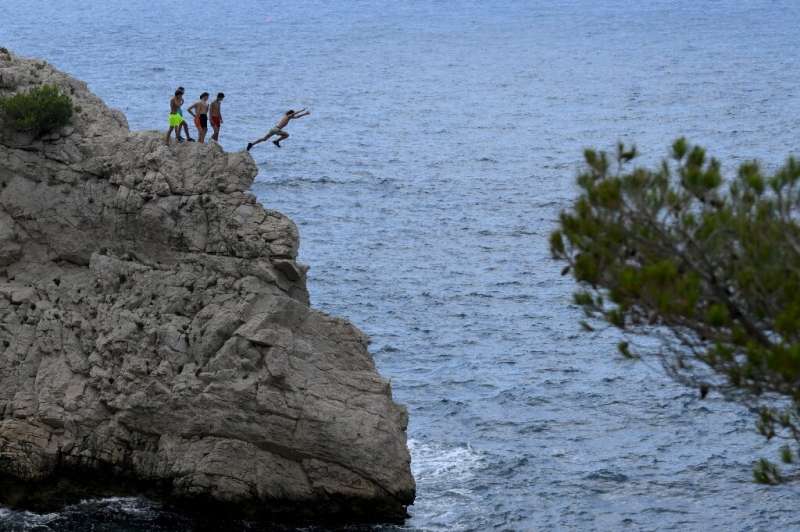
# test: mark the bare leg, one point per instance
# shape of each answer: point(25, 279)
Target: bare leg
point(201, 135)
point(259, 141)
point(283, 136)
point(169, 132)
point(186, 130)
point(215, 136)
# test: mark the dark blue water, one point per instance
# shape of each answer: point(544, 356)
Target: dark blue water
point(444, 140)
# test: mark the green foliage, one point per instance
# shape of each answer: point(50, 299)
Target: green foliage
point(710, 266)
point(787, 456)
point(39, 110)
point(765, 472)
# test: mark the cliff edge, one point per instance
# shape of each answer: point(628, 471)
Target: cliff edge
point(156, 336)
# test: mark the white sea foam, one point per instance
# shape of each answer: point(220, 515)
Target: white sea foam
point(26, 518)
point(444, 476)
point(432, 462)
point(128, 505)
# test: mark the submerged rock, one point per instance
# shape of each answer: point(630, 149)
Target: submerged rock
point(156, 335)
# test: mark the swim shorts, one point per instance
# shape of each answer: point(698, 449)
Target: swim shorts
point(215, 121)
point(275, 131)
point(175, 120)
point(201, 121)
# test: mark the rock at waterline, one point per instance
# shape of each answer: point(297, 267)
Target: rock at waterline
point(156, 337)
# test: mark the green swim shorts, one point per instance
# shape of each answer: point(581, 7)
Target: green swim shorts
point(175, 120)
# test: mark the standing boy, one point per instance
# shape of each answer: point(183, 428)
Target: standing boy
point(179, 95)
point(215, 115)
point(278, 129)
point(200, 116)
point(175, 119)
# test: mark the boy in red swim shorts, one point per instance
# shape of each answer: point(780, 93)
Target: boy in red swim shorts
point(215, 115)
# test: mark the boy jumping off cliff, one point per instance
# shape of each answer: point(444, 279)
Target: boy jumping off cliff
point(278, 129)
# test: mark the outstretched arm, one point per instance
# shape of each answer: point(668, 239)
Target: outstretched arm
point(301, 114)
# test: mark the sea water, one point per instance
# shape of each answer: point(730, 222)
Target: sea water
point(443, 142)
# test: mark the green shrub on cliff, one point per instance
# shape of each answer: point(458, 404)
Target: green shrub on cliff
point(709, 268)
point(38, 111)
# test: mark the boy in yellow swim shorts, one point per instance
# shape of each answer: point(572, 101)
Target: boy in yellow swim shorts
point(176, 117)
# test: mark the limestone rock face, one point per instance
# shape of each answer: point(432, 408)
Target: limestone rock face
point(155, 330)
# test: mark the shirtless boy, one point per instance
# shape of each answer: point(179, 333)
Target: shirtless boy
point(175, 119)
point(215, 115)
point(183, 122)
point(199, 110)
point(278, 129)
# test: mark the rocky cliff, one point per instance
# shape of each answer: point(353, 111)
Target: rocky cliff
point(156, 336)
